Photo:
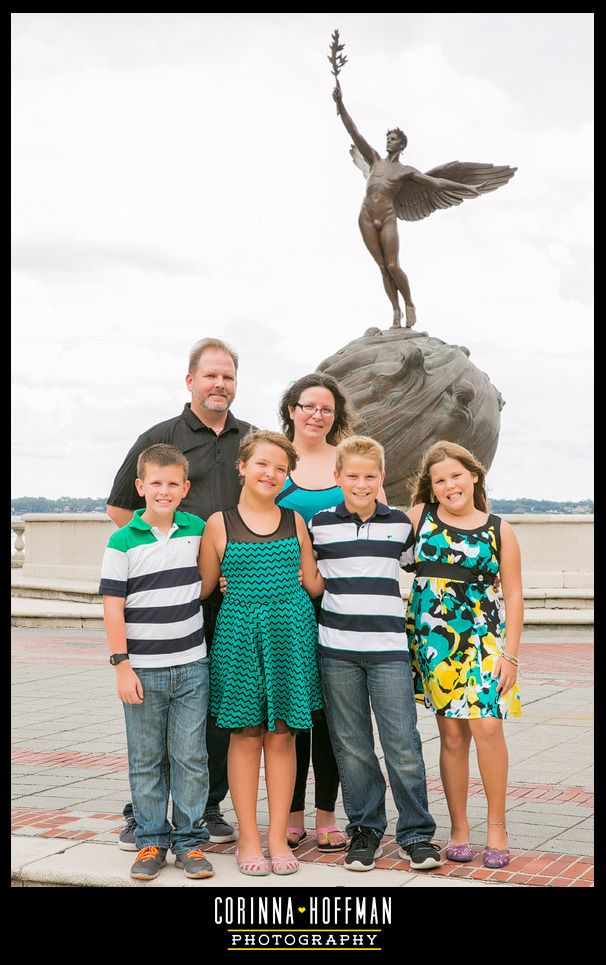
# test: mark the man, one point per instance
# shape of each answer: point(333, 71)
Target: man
point(209, 435)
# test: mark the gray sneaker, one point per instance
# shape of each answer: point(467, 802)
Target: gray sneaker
point(220, 831)
point(126, 840)
point(195, 864)
point(148, 863)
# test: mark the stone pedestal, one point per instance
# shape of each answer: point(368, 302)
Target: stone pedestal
point(410, 391)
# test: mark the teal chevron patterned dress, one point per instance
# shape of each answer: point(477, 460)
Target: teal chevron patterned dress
point(263, 663)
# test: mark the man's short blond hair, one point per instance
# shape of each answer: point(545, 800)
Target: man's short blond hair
point(360, 446)
point(209, 345)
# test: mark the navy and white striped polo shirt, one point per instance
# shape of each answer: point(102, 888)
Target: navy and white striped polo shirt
point(362, 610)
point(159, 579)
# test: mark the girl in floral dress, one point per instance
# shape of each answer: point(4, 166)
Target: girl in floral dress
point(464, 656)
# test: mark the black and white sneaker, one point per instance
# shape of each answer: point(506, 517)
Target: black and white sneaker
point(364, 847)
point(422, 855)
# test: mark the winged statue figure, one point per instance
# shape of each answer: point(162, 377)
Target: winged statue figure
point(395, 190)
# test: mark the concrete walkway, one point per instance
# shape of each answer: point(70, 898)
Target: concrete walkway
point(70, 779)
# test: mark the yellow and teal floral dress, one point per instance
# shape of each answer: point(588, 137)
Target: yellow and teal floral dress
point(454, 623)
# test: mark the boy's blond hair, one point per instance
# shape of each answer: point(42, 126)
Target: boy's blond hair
point(360, 446)
point(161, 454)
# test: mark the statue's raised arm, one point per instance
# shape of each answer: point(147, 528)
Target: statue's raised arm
point(394, 190)
point(338, 61)
point(368, 153)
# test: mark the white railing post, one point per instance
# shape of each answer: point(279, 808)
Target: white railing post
point(18, 528)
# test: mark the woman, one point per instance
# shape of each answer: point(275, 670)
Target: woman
point(315, 414)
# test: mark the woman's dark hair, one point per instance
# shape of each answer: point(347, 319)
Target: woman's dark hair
point(345, 416)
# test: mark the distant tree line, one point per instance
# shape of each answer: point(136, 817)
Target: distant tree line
point(65, 504)
point(89, 504)
point(524, 505)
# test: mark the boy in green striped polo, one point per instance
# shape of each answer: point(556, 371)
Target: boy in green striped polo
point(150, 585)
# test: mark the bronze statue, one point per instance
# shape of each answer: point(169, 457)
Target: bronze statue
point(394, 190)
point(410, 390)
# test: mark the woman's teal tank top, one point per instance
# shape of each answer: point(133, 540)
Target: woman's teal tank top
point(308, 502)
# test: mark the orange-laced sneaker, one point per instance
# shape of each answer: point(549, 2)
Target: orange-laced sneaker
point(148, 863)
point(195, 864)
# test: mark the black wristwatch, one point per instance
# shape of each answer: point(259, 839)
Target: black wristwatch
point(117, 658)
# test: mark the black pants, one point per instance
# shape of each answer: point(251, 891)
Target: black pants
point(316, 744)
point(217, 739)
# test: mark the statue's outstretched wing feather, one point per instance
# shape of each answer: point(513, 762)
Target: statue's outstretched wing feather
point(359, 161)
point(484, 177)
point(416, 201)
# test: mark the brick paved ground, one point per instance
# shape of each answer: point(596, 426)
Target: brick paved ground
point(70, 772)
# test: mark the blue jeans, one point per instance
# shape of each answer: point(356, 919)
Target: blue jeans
point(350, 687)
point(166, 738)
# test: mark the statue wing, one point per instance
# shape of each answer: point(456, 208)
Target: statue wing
point(484, 177)
point(359, 161)
point(416, 201)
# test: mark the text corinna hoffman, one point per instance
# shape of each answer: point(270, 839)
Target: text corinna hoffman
point(337, 911)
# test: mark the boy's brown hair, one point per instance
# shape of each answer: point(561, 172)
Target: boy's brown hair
point(161, 454)
point(360, 446)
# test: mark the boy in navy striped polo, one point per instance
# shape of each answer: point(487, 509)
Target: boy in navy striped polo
point(150, 585)
point(360, 546)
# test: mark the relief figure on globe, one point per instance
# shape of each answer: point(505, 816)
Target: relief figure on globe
point(395, 190)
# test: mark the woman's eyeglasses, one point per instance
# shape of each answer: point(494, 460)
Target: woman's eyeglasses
point(325, 411)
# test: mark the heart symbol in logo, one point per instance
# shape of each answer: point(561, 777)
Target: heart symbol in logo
point(302, 909)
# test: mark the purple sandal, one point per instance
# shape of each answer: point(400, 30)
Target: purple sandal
point(459, 852)
point(495, 858)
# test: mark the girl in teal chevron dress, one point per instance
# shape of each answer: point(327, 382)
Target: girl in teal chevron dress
point(264, 681)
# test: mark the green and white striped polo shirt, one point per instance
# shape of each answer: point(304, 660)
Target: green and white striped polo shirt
point(159, 579)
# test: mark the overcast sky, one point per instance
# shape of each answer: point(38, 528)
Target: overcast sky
point(176, 176)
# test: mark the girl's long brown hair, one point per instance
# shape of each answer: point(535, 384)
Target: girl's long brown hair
point(422, 491)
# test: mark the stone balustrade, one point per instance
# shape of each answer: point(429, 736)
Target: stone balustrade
point(65, 546)
point(557, 550)
point(18, 529)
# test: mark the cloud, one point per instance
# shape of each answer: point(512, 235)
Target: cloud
point(90, 257)
point(179, 175)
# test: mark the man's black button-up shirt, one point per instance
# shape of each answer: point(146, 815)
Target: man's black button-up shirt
point(212, 463)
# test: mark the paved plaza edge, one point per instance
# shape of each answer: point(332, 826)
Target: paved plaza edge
point(70, 780)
